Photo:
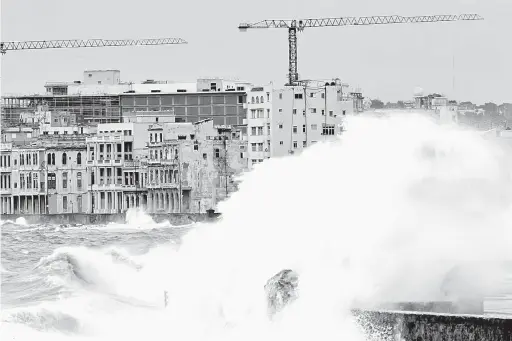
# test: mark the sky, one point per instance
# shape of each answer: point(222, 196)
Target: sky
point(464, 60)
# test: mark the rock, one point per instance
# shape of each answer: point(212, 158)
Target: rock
point(281, 290)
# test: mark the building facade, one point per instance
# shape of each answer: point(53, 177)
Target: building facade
point(191, 167)
point(302, 116)
point(66, 178)
point(6, 206)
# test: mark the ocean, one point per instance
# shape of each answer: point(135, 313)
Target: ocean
point(384, 214)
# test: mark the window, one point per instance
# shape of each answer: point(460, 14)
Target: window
point(35, 180)
point(64, 203)
point(312, 94)
point(314, 127)
point(280, 126)
point(313, 110)
point(281, 96)
point(268, 96)
point(295, 129)
point(51, 181)
point(323, 95)
point(304, 144)
point(253, 145)
point(252, 100)
point(295, 145)
point(327, 129)
point(268, 113)
point(257, 100)
point(330, 113)
point(280, 110)
point(260, 130)
point(241, 98)
point(150, 137)
point(65, 180)
point(53, 159)
point(344, 112)
point(79, 158)
point(217, 152)
point(298, 96)
point(79, 180)
point(295, 111)
point(303, 128)
point(29, 181)
point(35, 159)
point(253, 131)
point(260, 147)
point(196, 147)
point(253, 113)
point(268, 128)
point(64, 158)
point(281, 143)
point(261, 113)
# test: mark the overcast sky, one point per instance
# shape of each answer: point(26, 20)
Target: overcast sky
point(387, 61)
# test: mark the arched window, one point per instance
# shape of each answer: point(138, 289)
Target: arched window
point(64, 158)
point(49, 159)
point(53, 159)
point(252, 99)
point(257, 99)
point(79, 158)
point(261, 99)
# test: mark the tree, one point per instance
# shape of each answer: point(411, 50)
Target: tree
point(377, 104)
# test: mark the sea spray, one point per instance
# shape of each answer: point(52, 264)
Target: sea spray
point(394, 199)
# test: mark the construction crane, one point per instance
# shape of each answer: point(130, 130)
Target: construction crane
point(295, 26)
point(75, 43)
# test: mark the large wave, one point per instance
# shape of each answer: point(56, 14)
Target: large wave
point(387, 212)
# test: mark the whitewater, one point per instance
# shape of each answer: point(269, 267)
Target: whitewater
point(384, 213)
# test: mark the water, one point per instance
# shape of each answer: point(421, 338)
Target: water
point(386, 213)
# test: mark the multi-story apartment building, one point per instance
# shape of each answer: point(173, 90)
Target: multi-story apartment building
point(28, 180)
point(259, 123)
point(114, 159)
point(65, 170)
point(191, 166)
point(6, 178)
point(302, 116)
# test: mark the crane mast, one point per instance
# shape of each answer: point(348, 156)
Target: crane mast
point(75, 43)
point(295, 26)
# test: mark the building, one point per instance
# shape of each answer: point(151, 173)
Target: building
point(28, 193)
point(66, 177)
point(101, 97)
point(114, 167)
point(191, 166)
point(6, 205)
point(305, 115)
point(259, 123)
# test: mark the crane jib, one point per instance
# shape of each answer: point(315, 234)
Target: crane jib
point(298, 25)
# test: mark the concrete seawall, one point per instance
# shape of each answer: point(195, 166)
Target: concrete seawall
point(420, 326)
point(88, 219)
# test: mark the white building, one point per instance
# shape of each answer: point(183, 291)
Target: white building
point(302, 116)
point(259, 123)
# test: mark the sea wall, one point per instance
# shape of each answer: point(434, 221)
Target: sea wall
point(88, 219)
point(415, 326)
